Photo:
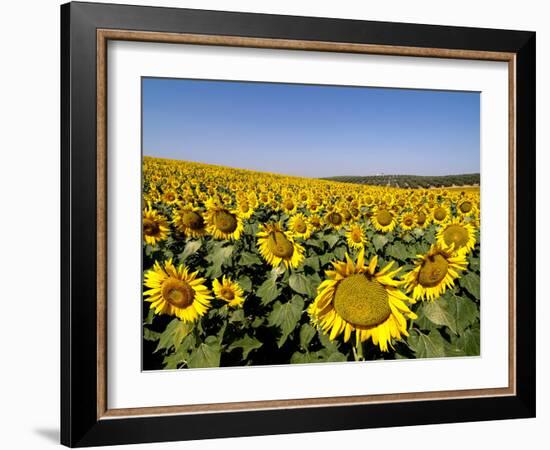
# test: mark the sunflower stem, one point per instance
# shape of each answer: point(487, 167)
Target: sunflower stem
point(358, 352)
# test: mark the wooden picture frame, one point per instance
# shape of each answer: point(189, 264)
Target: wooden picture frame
point(86, 418)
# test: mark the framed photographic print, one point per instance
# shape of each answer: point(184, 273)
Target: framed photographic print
point(277, 224)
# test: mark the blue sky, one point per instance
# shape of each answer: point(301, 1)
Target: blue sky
point(312, 131)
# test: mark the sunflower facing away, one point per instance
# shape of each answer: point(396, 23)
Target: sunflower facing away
point(461, 234)
point(355, 297)
point(277, 246)
point(176, 292)
point(229, 291)
point(222, 223)
point(155, 226)
point(434, 272)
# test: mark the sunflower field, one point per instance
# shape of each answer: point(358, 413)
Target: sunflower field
point(252, 268)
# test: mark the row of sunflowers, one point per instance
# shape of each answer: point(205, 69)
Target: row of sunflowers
point(247, 268)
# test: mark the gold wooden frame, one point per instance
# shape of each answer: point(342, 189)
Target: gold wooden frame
point(103, 36)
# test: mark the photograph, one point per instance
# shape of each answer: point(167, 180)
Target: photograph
point(296, 224)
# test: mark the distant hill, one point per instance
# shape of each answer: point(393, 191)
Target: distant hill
point(411, 181)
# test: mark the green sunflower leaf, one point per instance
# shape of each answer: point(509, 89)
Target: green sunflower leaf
point(268, 291)
point(150, 335)
point(175, 360)
point(236, 316)
point(304, 358)
point(174, 334)
point(180, 333)
point(473, 263)
point(340, 252)
point(331, 239)
point(150, 316)
point(379, 240)
point(336, 357)
point(257, 322)
point(286, 316)
point(247, 344)
point(429, 235)
point(470, 282)
point(419, 248)
point(440, 313)
point(207, 354)
point(326, 258)
point(249, 259)
point(301, 284)
point(191, 247)
point(307, 332)
point(314, 243)
point(245, 283)
point(312, 262)
point(317, 357)
point(398, 251)
point(469, 341)
point(465, 312)
point(431, 345)
point(218, 256)
point(456, 313)
point(330, 346)
point(407, 237)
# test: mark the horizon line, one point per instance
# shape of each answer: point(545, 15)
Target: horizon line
point(303, 176)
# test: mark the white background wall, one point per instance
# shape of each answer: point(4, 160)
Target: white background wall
point(29, 222)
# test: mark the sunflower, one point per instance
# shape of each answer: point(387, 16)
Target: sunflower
point(252, 200)
point(221, 222)
point(368, 200)
point(356, 236)
point(355, 212)
point(277, 246)
point(153, 196)
point(263, 198)
point(299, 226)
point(313, 205)
point(155, 226)
point(422, 219)
point(189, 221)
point(170, 197)
point(315, 221)
point(356, 298)
point(408, 221)
point(458, 233)
point(434, 272)
point(334, 219)
point(465, 207)
point(441, 214)
point(383, 219)
point(289, 205)
point(245, 209)
point(229, 291)
point(176, 292)
point(346, 214)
